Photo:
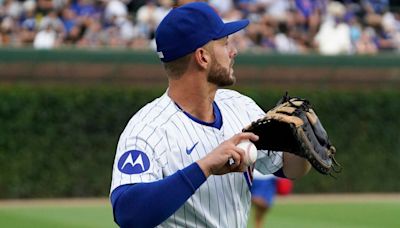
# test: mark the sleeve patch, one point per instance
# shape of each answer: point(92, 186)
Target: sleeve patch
point(133, 162)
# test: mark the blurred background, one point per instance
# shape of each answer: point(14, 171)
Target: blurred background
point(73, 72)
point(285, 26)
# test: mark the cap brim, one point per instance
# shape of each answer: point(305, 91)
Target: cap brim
point(232, 27)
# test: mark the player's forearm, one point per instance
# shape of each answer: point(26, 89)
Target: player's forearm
point(149, 204)
point(294, 166)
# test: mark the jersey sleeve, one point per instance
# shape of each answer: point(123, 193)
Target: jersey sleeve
point(136, 160)
point(254, 111)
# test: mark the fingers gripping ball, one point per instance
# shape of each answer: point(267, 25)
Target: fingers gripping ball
point(250, 151)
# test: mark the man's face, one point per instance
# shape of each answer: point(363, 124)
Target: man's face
point(222, 59)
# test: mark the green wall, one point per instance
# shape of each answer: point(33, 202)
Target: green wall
point(59, 141)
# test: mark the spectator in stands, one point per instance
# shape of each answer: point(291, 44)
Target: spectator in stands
point(11, 8)
point(10, 12)
point(284, 42)
point(391, 26)
point(311, 11)
point(72, 26)
point(46, 38)
point(224, 7)
point(333, 36)
point(277, 10)
point(115, 9)
point(355, 29)
point(53, 21)
point(86, 9)
point(365, 44)
point(28, 23)
point(7, 33)
point(150, 15)
point(251, 8)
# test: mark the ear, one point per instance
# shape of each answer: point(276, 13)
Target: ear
point(202, 58)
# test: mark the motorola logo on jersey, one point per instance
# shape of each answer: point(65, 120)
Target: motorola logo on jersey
point(133, 162)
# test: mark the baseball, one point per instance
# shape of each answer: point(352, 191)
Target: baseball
point(251, 151)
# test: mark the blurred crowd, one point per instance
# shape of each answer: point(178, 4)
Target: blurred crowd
point(281, 26)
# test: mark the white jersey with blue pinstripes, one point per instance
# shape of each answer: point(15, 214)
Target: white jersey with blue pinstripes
point(161, 139)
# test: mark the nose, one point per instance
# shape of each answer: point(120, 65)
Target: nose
point(233, 51)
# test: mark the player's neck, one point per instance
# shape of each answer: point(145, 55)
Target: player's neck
point(194, 97)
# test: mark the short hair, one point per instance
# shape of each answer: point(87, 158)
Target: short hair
point(176, 68)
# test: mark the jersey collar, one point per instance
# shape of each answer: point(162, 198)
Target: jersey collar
point(217, 123)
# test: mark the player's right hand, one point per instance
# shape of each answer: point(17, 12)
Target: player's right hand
point(217, 161)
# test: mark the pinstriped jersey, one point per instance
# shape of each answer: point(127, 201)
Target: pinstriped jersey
point(161, 139)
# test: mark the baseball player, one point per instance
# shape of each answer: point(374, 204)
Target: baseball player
point(172, 166)
point(263, 193)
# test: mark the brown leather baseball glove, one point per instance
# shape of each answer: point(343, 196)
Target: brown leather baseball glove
point(292, 126)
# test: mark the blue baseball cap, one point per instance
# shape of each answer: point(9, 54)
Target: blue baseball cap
point(189, 27)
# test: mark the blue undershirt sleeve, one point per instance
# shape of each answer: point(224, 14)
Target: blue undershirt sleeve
point(149, 204)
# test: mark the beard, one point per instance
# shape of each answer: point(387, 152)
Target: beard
point(220, 75)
